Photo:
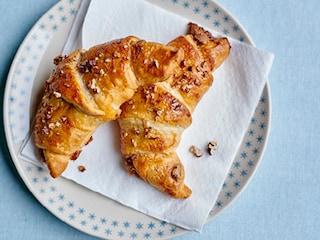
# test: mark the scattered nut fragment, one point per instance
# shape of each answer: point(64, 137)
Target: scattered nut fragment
point(51, 125)
point(133, 142)
point(57, 94)
point(196, 151)
point(92, 85)
point(58, 59)
point(156, 63)
point(81, 168)
point(176, 172)
point(212, 146)
point(108, 60)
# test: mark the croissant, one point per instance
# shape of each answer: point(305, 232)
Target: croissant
point(87, 88)
point(153, 120)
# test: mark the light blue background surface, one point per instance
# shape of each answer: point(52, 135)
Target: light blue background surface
point(283, 199)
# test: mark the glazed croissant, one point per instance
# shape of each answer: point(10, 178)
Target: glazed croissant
point(153, 120)
point(87, 88)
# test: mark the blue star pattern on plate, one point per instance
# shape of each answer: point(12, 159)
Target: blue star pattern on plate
point(245, 163)
point(24, 72)
point(201, 11)
point(25, 68)
point(89, 220)
point(69, 201)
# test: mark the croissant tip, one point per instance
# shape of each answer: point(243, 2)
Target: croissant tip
point(56, 163)
point(201, 35)
point(185, 192)
point(56, 172)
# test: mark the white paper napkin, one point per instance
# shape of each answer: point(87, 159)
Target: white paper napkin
point(222, 115)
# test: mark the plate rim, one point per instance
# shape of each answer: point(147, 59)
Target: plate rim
point(13, 146)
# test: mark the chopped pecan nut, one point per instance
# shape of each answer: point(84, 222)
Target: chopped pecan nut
point(133, 142)
point(58, 59)
point(57, 94)
point(81, 168)
point(196, 151)
point(156, 63)
point(176, 172)
point(212, 146)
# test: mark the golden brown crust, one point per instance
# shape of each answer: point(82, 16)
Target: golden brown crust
point(158, 104)
point(153, 120)
point(163, 171)
point(153, 90)
point(87, 88)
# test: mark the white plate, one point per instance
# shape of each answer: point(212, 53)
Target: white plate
point(79, 207)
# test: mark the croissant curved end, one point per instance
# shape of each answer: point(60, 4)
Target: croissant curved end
point(185, 192)
point(56, 163)
point(163, 171)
